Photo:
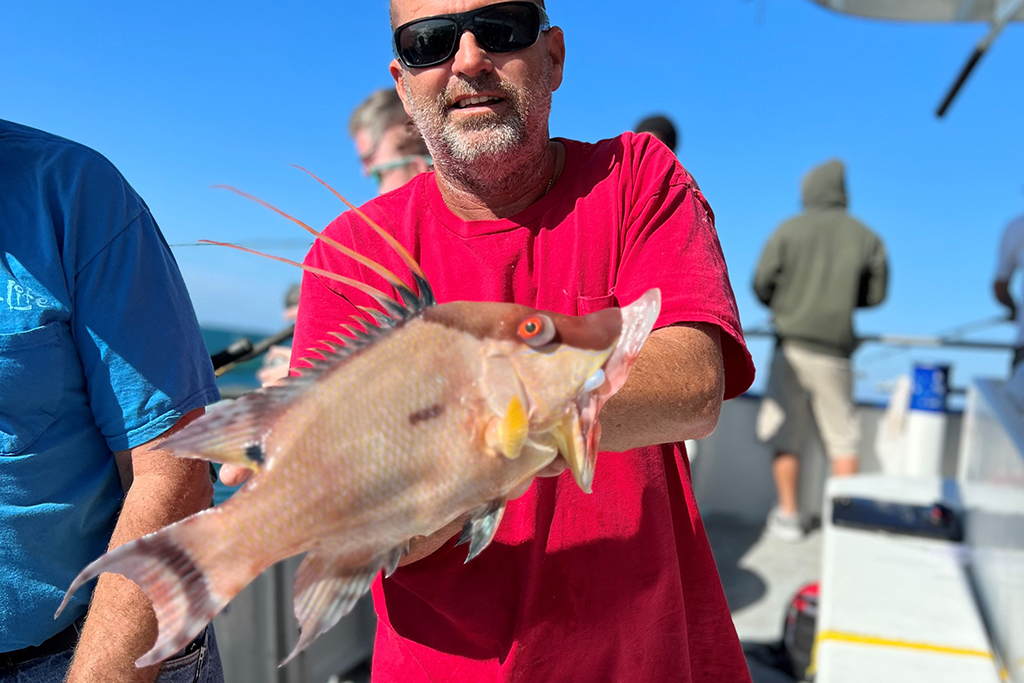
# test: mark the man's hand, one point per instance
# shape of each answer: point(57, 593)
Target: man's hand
point(121, 625)
point(275, 365)
point(234, 475)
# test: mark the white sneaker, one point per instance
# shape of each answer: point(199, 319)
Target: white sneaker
point(785, 527)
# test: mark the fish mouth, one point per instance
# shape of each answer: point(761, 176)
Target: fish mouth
point(638, 320)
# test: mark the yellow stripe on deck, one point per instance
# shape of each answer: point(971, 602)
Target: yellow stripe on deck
point(878, 641)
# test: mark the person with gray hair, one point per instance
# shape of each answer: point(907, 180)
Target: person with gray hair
point(389, 146)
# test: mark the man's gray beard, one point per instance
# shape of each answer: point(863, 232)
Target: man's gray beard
point(496, 154)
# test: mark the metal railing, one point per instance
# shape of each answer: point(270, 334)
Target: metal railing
point(899, 343)
point(991, 479)
point(908, 341)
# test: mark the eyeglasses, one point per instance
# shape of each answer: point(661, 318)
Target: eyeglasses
point(377, 171)
point(503, 27)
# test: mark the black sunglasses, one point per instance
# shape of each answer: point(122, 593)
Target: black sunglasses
point(504, 27)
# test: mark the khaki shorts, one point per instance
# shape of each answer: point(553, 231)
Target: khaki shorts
point(801, 381)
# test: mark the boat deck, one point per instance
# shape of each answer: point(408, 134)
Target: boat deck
point(760, 575)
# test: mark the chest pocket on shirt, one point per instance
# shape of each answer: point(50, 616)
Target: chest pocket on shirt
point(585, 305)
point(31, 383)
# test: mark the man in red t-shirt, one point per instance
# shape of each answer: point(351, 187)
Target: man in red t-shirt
point(620, 584)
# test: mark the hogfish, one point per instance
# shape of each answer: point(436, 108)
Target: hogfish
point(413, 416)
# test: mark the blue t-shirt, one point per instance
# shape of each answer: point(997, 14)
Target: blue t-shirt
point(100, 351)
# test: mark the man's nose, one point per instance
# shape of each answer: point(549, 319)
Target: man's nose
point(470, 58)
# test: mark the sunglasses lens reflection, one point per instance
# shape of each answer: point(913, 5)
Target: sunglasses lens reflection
point(505, 27)
point(429, 41)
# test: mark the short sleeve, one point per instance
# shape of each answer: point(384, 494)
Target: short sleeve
point(671, 243)
point(137, 336)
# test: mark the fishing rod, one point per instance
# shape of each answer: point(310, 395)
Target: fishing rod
point(950, 338)
point(243, 350)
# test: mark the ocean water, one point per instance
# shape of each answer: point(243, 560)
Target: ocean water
point(239, 380)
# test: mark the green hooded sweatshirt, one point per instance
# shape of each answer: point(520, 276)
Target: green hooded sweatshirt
point(819, 266)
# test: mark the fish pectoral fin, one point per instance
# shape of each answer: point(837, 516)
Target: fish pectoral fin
point(326, 589)
point(393, 557)
point(569, 437)
point(507, 434)
point(481, 526)
point(235, 434)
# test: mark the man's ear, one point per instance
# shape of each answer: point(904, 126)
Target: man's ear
point(396, 73)
point(555, 40)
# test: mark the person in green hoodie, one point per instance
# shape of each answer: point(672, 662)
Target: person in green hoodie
point(814, 271)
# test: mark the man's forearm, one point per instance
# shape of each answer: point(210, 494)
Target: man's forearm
point(1001, 290)
point(674, 391)
point(121, 626)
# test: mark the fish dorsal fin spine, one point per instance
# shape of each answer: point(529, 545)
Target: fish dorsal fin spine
point(344, 345)
point(408, 303)
point(404, 306)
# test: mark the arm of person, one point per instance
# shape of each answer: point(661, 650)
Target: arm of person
point(1001, 290)
point(121, 625)
point(875, 277)
point(674, 392)
point(768, 268)
point(1006, 265)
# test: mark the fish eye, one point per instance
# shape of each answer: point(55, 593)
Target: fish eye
point(537, 330)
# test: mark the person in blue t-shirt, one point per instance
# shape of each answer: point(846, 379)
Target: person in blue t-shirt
point(100, 358)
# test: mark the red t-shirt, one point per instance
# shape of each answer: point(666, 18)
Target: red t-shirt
point(613, 586)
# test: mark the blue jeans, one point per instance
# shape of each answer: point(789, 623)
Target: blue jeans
point(201, 666)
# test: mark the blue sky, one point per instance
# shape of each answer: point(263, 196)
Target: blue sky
point(184, 95)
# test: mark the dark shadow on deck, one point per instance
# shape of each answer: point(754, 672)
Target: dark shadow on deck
point(730, 541)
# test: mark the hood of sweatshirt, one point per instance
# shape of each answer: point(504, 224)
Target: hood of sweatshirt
point(824, 187)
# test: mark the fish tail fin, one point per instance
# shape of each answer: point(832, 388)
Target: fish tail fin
point(179, 574)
